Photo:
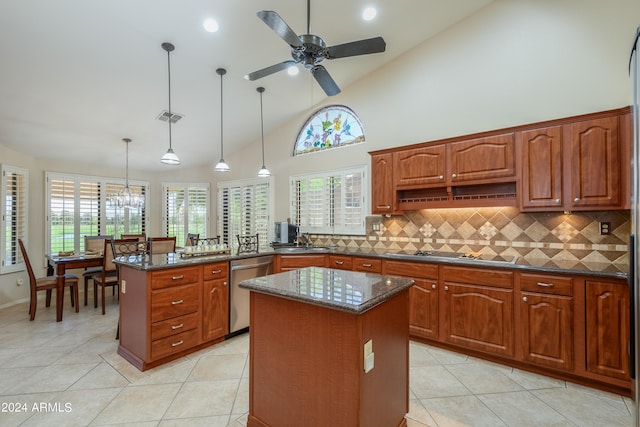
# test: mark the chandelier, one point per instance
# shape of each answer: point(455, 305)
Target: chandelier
point(124, 198)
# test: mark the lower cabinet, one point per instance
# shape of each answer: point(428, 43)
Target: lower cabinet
point(477, 309)
point(215, 301)
point(607, 325)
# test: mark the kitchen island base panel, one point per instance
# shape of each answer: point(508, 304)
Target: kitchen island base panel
point(307, 364)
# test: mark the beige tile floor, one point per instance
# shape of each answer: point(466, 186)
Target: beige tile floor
point(69, 374)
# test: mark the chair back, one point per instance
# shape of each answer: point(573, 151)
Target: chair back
point(32, 277)
point(95, 243)
point(162, 245)
point(192, 239)
point(141, 237)
point(248, 244)
point(113, 248)
point(208, 241)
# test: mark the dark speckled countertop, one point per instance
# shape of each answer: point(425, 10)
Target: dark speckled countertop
point(533, 265)
point(343, 290)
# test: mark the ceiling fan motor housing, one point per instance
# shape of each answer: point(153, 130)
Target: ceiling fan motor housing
point(313, 52)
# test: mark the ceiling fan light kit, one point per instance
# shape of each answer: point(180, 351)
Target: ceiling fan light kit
point(221, 166)
point(310, 50)
point(169, 158)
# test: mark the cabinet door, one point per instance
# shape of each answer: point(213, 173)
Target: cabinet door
point(382, 186)
point(477, 317)
point(607, 308)
point(423, 309)
point(595, 164)
point(215, 309)
point(542, 168)
point(483, 159)
point(424, 167)
point(547, 330)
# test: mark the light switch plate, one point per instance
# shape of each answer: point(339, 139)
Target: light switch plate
point(368, 363)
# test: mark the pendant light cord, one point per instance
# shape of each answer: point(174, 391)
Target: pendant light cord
point(169, 74)
point(262, 128)
point(126, 173)
point(221, 120)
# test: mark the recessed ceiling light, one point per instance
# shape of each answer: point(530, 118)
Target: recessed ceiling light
point(293, 70)
point(211, 25)
point(369, 13)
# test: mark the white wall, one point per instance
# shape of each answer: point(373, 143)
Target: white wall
point(513, 62)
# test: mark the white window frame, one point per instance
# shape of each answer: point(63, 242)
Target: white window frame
point(12, 259)
point(104, 200)
point(331, 225)
point(186, 187)
point(265, 231)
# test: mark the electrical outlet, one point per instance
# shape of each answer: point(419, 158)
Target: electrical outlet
point(123, 286)
point(605, 228)
point(19, 282)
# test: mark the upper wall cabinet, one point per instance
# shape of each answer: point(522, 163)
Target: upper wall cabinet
point(383, 194)
point(577, 166)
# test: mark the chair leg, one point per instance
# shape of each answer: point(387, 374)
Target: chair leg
point(102, 298)
point(86, 288)
point(75, 293)
point(48, 299)
point(71, 296)
point(95, 294)
point(32, 306)
point(118, 330)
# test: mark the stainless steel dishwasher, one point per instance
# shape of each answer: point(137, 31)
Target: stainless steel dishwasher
point(243, 269)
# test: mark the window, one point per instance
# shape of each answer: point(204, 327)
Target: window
point(14, 192)
point(329, 203)
point(245, 207)
point(80, 206)
point(186, 210)
point(330, 127)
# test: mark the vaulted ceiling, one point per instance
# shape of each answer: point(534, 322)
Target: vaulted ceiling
point(77, 76)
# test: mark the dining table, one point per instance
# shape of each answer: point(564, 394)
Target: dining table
point(60, 264)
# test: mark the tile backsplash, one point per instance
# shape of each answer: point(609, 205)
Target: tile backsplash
point(554, 236)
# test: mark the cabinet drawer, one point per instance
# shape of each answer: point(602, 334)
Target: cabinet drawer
point(546, 284)
point(174, 277)
point(173, 344)
point(411, 269)
point(343, 262)
point(473, 276)
point(177, 301)
point(301, 261)
point(367, 265)
point(174, 326)
point(215, 271)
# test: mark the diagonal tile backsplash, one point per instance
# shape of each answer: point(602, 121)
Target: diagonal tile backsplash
point(505, 231)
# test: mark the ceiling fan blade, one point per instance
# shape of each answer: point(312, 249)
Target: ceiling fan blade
point(270, 70)
point(277, 24)
point(325, 81)
point(361, 47)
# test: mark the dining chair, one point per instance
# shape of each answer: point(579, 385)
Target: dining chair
point(109, 274)
point(92, 244)
point(248, 244)
point(192, 239)
point(208, 241)
point(141, 237)
point(47, 284)
point(162, 245)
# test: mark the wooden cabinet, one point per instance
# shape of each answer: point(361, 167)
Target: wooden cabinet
point(215, 301)
point(293, 262)
point(577, 166)
point(383, 193)
point(367, 265)
point(545, 333)
point(607, 325)
point(476, 309)
point(424, 167)
point(341, 262)
point(423, 296)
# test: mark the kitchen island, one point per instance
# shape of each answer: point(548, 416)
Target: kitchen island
point(328, 348)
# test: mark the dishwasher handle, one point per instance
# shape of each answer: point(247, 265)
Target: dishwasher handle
point(250, 266)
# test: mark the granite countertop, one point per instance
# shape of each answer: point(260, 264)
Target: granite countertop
point(609, 270)
point(349, 291)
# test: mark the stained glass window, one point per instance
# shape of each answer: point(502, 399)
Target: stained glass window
point(332, 126)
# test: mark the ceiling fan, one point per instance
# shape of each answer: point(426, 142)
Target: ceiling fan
point(311, 50)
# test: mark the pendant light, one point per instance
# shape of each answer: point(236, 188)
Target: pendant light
point(263, 172)
point(169, 158)
point(222, 166)
point(124, 198)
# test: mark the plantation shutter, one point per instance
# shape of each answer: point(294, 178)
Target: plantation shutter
point(14, 217)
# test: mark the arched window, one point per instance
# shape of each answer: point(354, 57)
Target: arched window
point(332, 126)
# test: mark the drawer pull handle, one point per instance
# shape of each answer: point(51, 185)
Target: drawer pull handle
point(545, 285)
point(433, 286)
point(175, 344)
point(366, 265)
point(525, 299)
point(446, 288)
point(177, 302)
point(216, 271)
point(177, 277)
point(181, 325)
point(339, 262)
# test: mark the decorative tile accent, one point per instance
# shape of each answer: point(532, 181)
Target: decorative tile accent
point(568, 238)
